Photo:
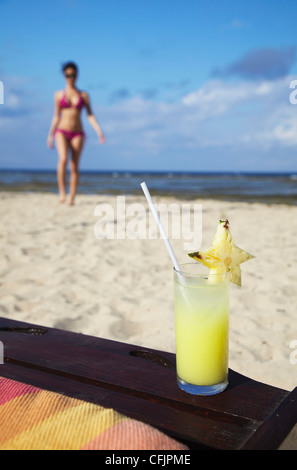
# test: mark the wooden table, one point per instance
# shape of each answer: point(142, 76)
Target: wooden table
point(141, 383)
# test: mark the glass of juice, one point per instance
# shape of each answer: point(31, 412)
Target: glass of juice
point(201, 301)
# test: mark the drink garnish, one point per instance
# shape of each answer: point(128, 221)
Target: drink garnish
point(223, 255)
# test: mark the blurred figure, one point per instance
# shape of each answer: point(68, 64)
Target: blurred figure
point(66, 129)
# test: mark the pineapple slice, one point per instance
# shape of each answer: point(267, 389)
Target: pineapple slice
point(223, 254)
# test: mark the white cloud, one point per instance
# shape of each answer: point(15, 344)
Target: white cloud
point(219, 113)
point(227, 121)
point(217, 96)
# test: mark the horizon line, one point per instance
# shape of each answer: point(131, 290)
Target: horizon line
point(164, 171)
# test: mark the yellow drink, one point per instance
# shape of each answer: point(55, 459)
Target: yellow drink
point(201, 330)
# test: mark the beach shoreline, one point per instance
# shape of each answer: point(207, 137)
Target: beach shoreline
point(270, 188)
point(56, 273)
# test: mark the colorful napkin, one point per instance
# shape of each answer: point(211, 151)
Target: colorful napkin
point(35, 419)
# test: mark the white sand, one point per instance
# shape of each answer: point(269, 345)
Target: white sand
point(54, 272)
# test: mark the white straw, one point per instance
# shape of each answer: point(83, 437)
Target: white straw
point(167, 242)
point(160, 225)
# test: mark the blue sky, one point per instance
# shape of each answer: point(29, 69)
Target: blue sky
point(192, 85)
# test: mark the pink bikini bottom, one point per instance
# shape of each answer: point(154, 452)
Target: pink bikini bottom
point(69, 135)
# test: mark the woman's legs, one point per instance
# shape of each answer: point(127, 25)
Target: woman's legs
point(62, 148)
point(76, 145)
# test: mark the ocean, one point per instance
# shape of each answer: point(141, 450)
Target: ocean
point(250, 187)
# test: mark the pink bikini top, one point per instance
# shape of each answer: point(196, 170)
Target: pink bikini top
point(65, 104)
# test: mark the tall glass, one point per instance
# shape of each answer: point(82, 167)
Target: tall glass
point(201, 303)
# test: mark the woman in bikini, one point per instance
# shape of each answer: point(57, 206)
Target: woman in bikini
point(66, 129)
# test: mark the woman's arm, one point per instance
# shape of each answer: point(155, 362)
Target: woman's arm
point(55, 121)
point(92, 119)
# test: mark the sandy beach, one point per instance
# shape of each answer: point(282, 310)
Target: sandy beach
point(56, 273)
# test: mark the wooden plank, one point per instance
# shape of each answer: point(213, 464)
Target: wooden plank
point(139, 383)
point(272, 432)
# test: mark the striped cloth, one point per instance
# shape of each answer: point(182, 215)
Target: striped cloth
point(35, 419)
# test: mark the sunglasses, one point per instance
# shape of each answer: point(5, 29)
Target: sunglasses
point(70, 75)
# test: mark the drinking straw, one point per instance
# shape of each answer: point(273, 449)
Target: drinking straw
point(167, 242)
point(160, 225)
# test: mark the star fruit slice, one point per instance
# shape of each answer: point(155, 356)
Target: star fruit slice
point(223, 255)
